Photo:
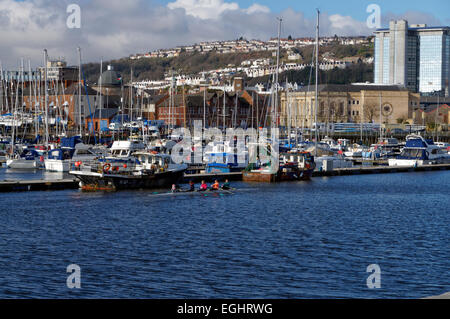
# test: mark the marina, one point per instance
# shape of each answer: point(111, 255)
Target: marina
point(288, 167)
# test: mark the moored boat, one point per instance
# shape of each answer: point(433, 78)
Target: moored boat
point(28, 159)
point(149, 170)
point(293, 166)
point(420, 151)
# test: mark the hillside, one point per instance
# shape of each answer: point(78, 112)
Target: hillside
point(356, 73)
point(193, 63)
point(186, 63)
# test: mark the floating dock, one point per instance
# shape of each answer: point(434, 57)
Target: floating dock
point(361, 170)
point(38, 185)
point(48, 185)
point(381, 170)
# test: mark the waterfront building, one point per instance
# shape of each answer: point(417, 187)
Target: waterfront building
point(414, 56)
point(348, 104)
point(433, 110)
point(57, 70)
point(183, 109)
point(64, 102)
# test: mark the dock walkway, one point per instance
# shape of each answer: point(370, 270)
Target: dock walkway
point(237, 176)
point(38, 185)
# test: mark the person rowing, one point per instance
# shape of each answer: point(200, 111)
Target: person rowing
point(203, 187)
point(175, 188)
point(215, 186)
point(191, 187)
point(226, 185)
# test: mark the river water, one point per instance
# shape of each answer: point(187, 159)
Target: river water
point(290, 240)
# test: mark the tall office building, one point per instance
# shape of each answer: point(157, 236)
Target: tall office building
point(415, 56)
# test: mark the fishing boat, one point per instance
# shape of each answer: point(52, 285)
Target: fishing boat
point(150, 170)
point(420, 151)
point(123, 150)
point(293, 166)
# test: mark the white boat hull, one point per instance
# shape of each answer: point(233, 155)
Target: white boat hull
point(57, 165)
point(404, 162)
point(22, 164)
point(353, 154)
point(416, 162)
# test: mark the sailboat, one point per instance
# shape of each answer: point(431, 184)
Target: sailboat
point(21, 157)
point(289, 166)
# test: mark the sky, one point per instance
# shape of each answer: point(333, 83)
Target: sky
point(117, 28)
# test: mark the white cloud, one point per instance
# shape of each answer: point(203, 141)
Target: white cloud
point(345, 25)
point(257, 8)
point(117, 28)
point(204, 9)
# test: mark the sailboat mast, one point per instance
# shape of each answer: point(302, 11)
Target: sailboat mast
point(79, 89)
point(436, 119)
point(288, 113)
point(275, 110)
point(204, 108)
point(316, 137)
point(131, 94)
point(46, 97)
point(14, 107)
point(381, 119)
point(1, 86)
point(101, 102)
point(32, 93)
point(21, 88)
point(224, 102)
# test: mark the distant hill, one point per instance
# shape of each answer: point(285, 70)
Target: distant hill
point(357, 73)
point(193, 63)
point(186, 63)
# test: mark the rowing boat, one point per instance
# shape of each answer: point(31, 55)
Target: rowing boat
point(208, 192)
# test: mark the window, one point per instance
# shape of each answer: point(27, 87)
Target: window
point(431, 63)
point(341, 108)
point(386, 55)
